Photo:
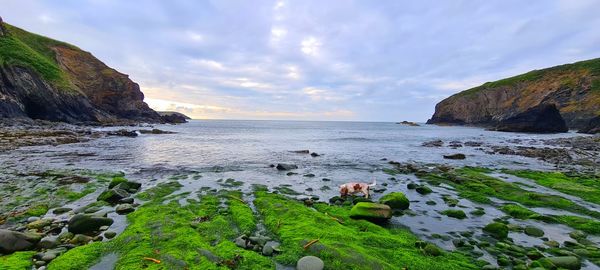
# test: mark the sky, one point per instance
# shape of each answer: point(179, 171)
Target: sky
point(388, 60)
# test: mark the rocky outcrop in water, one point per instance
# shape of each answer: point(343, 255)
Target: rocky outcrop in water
point(41, 78)
point(573, 88)
point(593, 126)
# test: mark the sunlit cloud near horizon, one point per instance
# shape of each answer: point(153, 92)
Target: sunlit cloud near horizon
point(315, 60)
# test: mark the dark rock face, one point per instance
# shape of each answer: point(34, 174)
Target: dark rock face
point(593, 127)
point(544, 118)
point(24, 94)
point(572, 88)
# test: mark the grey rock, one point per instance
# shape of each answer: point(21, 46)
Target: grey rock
point(310, 263)
point(125, 208)
point(286, 167)
point(110, 234)
point(82, 223)
point(11, 241)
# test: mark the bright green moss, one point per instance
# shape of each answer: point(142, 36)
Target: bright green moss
point(178, 236)
point(80, 257)
point(517, 211)
point(344, 243)
point(159, 191)
point(70, 195)
point(17, 261)
point(241, 213)
point(37, 210)
point(117, 180)
point(584, 224)
point(472, 184)
point(585, 187)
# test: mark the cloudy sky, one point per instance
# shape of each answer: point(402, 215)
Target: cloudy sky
point(315, 60)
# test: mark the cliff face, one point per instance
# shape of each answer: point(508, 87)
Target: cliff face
point(41, 78)
point(573, 88)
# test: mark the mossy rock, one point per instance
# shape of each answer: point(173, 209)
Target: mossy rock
point(371, 211)
point(534, 231)
point(459, 214)
point(113, 195)
point(432, 250)
point(116, 180)
point(395, 200)
point(497, 230)
point(562, 262)
point(423, 190)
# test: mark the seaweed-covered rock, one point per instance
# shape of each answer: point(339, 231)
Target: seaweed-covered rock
point(459, 214)
point(371, 211)
point(11, 241)
point(566, 262)
point(497, 230)
point(534, 231)
point(82, 224)
point(432, 250)
point(113, 195)
point(424, 190)
point(395, 200)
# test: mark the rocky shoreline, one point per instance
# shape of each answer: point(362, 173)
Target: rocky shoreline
point(225, 228)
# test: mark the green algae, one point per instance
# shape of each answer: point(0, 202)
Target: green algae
point(195, 236)
point(586, 187)
point(17, 261)
point(241, 213)
point(517, 211)
point(159, 191)
point(344, 243)
point(459, 214)
point(473, 184)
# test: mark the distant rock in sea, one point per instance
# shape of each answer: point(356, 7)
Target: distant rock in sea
point(174, 117)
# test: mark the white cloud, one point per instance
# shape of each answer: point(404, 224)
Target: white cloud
point(310, 46)
point(207, 64)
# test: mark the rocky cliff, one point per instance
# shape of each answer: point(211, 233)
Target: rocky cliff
point(573, 88)
point(42, 78)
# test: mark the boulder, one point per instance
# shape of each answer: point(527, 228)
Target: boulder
point(432, 250)
point(123, 209)
point(371, 211)
point(455, 156)
point(544, 118)
point(11, 241)
point(592, 127)
point(564, 262)
point(497, 230)
point(113, 195)
point(310, 263)
point(395, 200)
point(286, 167)
point(129, 186)
point(534, 231)
point(423, 190)
point(458, 214)
point(123, 133)
point(82, 223)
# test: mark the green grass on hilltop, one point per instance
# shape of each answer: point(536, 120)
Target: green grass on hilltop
point(592, 66)
point(21, 48)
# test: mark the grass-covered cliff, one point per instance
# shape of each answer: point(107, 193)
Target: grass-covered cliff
point(43, 78)
point(573, 88)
